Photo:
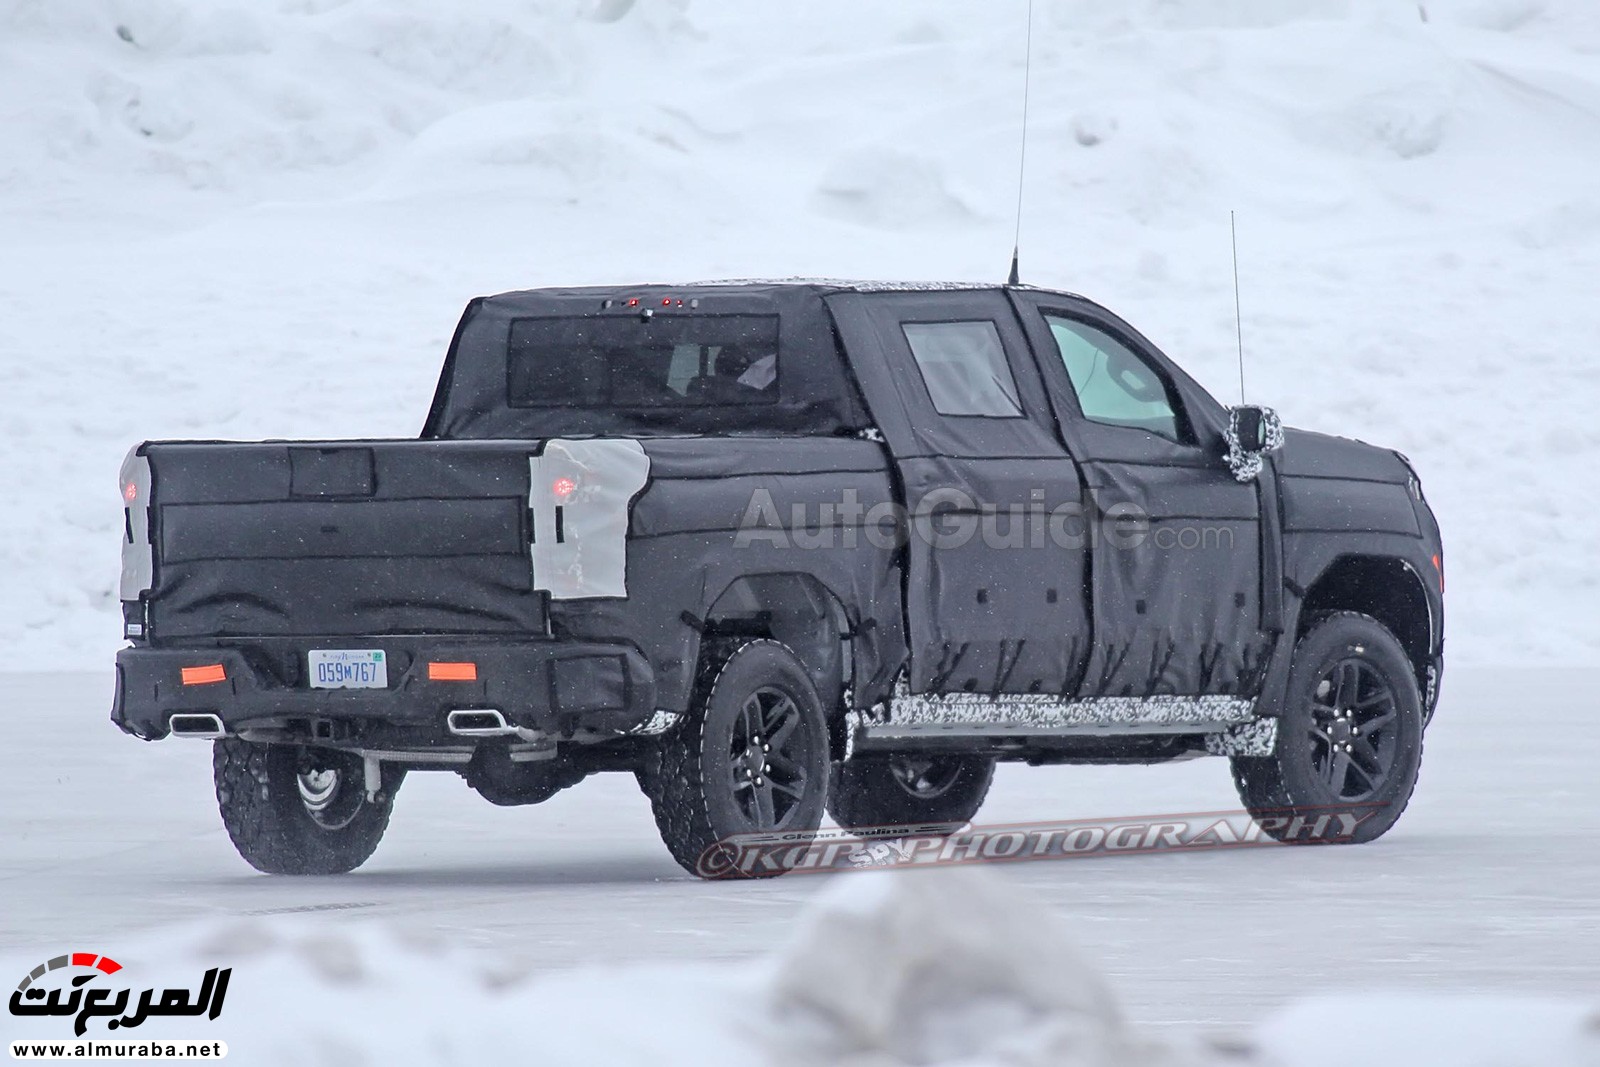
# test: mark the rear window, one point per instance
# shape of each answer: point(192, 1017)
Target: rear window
point(664, 361)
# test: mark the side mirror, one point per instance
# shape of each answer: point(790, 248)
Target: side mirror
point(1252, 432)
point(1251, 423)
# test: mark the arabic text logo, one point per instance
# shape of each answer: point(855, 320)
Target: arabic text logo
point(78, 999)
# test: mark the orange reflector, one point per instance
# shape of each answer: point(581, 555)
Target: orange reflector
point(207, 675)
point(452, 672)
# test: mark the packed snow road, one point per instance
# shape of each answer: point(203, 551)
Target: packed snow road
point(1485, 885)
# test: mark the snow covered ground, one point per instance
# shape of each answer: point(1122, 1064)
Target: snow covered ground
point(239, 220)
point(230, 219)
point(1466, 937)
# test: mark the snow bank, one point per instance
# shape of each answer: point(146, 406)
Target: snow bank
point(930, 968)
point(227, 219)
point(1408, 1027)
point(935, 970)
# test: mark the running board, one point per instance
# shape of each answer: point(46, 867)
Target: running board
point(915, 718)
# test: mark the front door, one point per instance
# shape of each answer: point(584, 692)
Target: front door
point(1176, 556)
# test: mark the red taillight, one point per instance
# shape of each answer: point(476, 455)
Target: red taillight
point(210, 674)
point(130, 492)
point(452, 672)
point(563, 487)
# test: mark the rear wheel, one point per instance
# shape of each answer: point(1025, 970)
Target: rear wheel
point(902, 790)
point(749, 757)
point(1349, 743)
point(293, 809)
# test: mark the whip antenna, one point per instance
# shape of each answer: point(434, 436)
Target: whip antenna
point(1238, 316)
point(1022, 159)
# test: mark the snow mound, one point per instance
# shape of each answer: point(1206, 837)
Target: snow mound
point(890, 970)
point(940, 968)
point(359, 994)
point(889, 189)
point(245, 98)
point(1413, 1028)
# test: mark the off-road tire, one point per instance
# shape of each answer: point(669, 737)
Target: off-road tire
point(880, 791)
point(699, 788)
point(274, 826)
point(1383, 729)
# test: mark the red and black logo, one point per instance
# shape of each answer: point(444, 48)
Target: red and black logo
point(38, 994)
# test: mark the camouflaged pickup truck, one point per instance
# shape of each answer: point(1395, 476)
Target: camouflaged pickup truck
point(781, 549)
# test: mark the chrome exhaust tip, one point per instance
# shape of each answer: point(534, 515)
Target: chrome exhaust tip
point(202, 725)
point(479, 722)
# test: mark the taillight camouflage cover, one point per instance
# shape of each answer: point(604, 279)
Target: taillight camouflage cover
point(579, 497)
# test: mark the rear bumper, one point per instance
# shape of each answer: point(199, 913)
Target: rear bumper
point(557, 687)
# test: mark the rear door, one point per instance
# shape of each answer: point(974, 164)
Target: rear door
point(995, 599)
point(1176, 560)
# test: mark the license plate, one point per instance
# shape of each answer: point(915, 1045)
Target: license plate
point(357, 668)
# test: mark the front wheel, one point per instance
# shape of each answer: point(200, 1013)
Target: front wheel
point(1349, 743)
point(294, 809)
point(750, 757)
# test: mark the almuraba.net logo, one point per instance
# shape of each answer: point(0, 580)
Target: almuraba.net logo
point(44, 992)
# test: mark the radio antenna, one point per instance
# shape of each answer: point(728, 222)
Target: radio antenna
point(1022, 158)
point(1238, 315)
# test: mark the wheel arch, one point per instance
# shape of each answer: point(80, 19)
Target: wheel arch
point(798, 610)
point(1389, 589)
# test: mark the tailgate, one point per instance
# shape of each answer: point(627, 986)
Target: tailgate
point(281, 539)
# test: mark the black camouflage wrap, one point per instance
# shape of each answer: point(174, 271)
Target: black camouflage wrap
point(263, 551)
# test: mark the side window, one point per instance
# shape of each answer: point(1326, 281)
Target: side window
point(964, 367)
point(1114, 385)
